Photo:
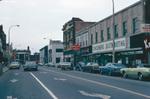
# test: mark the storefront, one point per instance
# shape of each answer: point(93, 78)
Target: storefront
point(129, 51)
point(83, 54)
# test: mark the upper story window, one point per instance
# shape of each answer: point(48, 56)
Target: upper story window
point(116, 31)
point(102, 35)
point(96, 37)
point(91, 38)
point(108, 33)
point(135, 25)
point(59, 50)
point(124, 28)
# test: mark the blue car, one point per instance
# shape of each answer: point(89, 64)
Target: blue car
point(111, 69)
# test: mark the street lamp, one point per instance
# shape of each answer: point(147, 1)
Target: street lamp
point(113, 24)
point(9, 38)
point(9, 32)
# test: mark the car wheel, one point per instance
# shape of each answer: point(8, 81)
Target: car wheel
point(110, 73)
point(90, 70)
point(140, 76)
point(124, 75)
point(101, 72)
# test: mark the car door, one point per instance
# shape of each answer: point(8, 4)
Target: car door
point(130, 71)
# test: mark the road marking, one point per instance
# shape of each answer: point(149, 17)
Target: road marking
point(102, 84)
point(13, 80)
point(43, 72)
point(49, 91)
point(95, 95)
point(61, 79)
point(16, 74)
point(10, 97)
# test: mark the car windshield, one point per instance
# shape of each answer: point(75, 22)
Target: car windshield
point(14, 63)
point(65, 63)
point(119, 65)
point(30, 63)
point(144, 65)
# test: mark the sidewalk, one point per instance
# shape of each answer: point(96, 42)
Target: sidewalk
point(5, 69)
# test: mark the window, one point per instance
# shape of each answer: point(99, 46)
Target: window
point(59, 50)
point(96, 37)
point(57, 60)
point(102, 35)
point(91, 38)
point(116, 31)
point(108, 33)
point(125, 30)
point(86, 42)
point(135, 25)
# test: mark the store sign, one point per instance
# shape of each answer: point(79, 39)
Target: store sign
point(108, 46)
point(145, 27)
point(76, 47)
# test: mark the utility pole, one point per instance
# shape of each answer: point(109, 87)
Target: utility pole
point(113, 31)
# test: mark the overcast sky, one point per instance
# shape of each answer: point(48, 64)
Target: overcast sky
point(40, 19)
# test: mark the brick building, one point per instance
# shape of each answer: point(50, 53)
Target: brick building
point(131, 33)
point(69, 31)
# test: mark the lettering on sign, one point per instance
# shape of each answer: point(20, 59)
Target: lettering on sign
point(145, 27)
point(108, 46)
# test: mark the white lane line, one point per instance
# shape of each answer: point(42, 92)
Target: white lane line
point(13, 80)
point(95, 95)
point(10, 97)
point(61, 79)
point(103, 84)
point(49, 91)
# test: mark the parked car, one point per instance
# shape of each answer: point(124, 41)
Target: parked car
point(65, 66)
point(140, 72)
point(79, 66)
point(50, 65)
point(91, 67)
point(14, 65)
point(29, 65)
point(111, 69)
point(40, 64)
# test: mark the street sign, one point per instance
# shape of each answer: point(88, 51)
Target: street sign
point(75, 47)
point(145, 27)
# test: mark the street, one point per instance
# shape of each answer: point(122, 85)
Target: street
point(52, 83)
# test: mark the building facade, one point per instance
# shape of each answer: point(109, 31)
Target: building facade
point(55, 51)
point(69, 31)
point(44, 55)
point(82, 39)
point(2, 45)
point(131, 36)
point(35, 57)
point(21, 55)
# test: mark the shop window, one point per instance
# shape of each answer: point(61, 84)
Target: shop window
point(57, 60)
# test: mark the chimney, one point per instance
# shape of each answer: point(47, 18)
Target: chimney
point(28, 48)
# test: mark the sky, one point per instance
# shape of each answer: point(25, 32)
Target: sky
point(41, 20)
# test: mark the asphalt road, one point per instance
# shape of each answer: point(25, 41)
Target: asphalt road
point(52, 83)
